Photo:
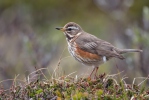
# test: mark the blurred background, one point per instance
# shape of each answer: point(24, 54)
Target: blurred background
point(29, 40)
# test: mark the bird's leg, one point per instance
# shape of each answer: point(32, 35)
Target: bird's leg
point(96, 72)
point(92, 72)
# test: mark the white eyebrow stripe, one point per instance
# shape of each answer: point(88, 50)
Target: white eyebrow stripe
point(73, 27)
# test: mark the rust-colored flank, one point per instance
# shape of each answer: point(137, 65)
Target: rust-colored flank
point(85, 54)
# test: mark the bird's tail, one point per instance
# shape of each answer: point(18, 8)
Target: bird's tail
point(121, 51)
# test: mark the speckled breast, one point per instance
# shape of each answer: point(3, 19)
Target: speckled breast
point(83, 56)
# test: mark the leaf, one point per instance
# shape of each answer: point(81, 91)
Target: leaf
point(39, 91)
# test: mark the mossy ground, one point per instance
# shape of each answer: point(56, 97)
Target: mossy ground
point(105, 87)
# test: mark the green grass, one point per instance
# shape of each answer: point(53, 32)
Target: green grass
point(105, 87)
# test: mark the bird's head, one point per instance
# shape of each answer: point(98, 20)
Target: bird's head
point(70, 30)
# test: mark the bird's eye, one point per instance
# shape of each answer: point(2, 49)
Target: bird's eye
point(69, 29)
point(72, 28)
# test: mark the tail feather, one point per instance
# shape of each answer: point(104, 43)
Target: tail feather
point(121, 51)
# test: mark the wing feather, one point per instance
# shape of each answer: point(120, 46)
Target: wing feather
point(95, 45)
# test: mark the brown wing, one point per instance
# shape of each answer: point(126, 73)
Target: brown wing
point(95, 45)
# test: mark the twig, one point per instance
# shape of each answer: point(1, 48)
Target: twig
point(145, 78)
point(54, 72)
point(70, 74)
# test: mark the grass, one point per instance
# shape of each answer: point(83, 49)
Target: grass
point(105, 87)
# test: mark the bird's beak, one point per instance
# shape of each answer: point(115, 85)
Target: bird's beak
point(61, 29)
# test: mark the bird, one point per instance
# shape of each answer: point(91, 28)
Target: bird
point(89, 49)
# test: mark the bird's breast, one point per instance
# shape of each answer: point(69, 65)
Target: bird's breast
point(83, 56)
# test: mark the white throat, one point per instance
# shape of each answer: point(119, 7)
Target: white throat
point(72, 37)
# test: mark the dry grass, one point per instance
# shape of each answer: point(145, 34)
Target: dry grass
point(105, 87)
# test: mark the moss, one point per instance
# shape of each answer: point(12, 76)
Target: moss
point(102, 88)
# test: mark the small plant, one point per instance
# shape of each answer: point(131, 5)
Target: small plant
point(105, 87)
